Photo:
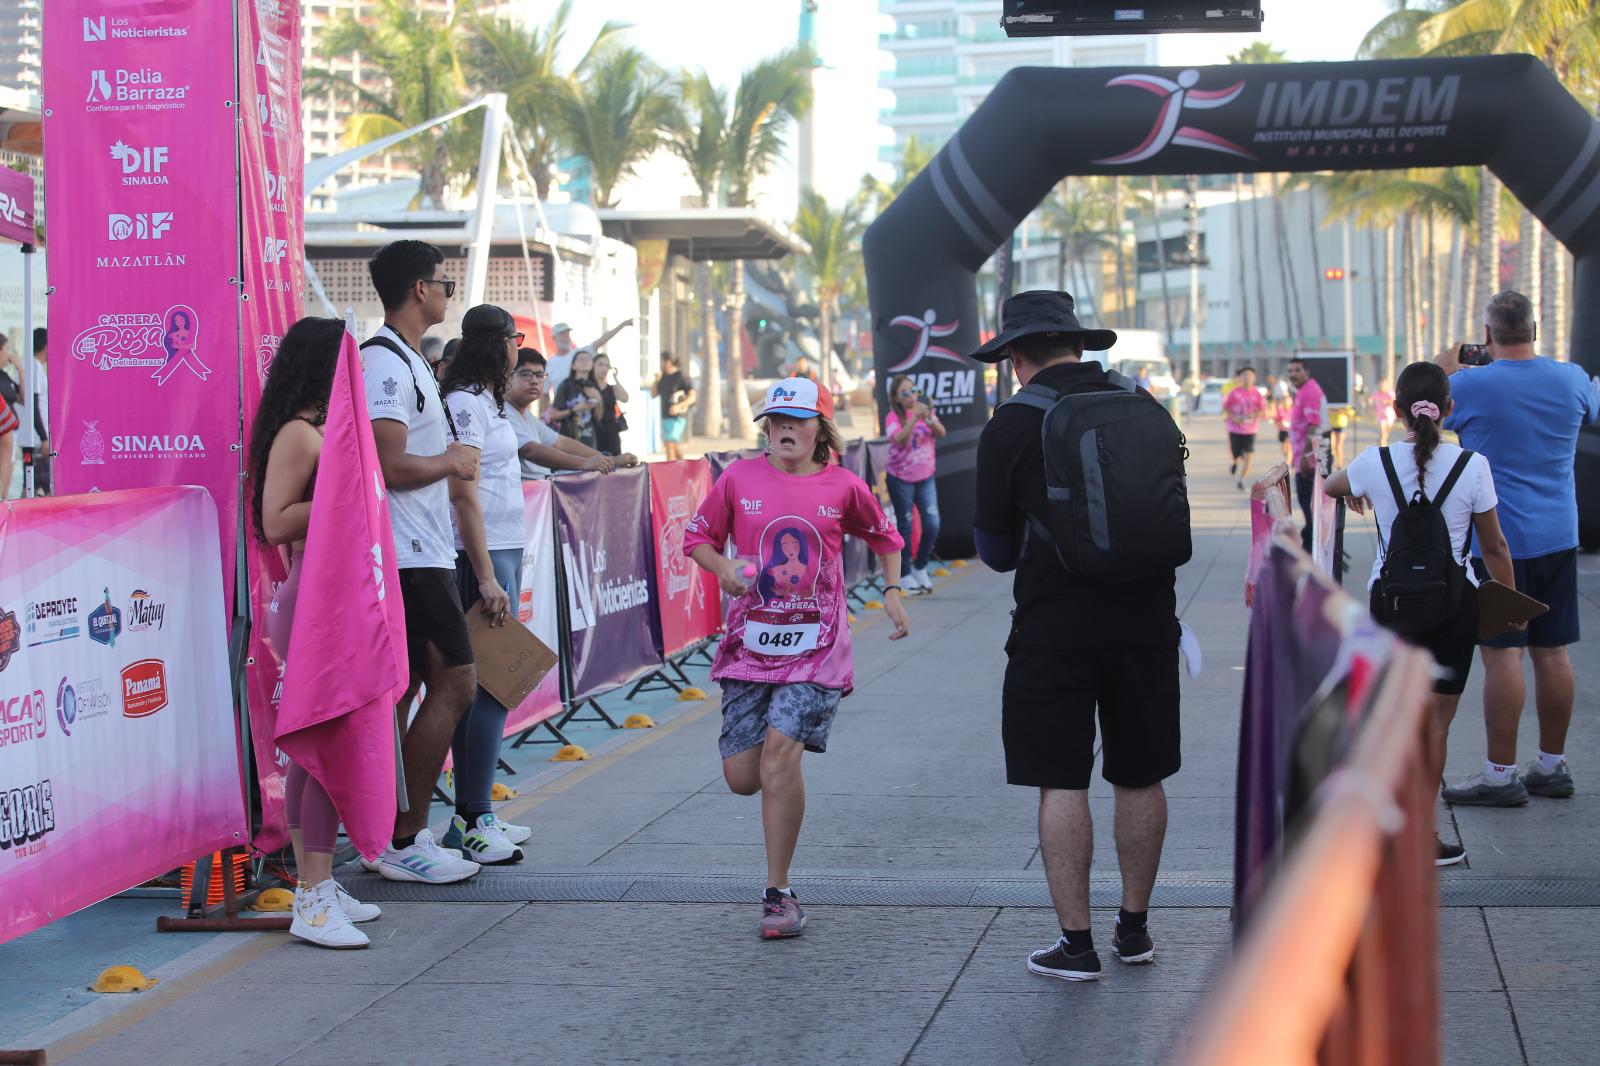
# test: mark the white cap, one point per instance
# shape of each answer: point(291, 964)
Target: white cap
point(560, 327)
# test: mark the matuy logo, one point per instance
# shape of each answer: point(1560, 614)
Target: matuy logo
point(145, 612)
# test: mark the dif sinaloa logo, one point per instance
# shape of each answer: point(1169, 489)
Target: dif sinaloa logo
point(144, 688)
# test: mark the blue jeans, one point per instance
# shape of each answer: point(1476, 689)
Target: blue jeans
point(475, 747)
point(924, 497)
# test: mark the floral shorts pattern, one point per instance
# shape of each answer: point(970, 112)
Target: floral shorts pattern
point(800, 711)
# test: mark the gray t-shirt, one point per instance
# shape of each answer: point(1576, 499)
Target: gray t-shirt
point(530, 427)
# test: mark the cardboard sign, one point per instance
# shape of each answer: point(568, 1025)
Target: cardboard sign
point(1499, 605)
point(511, 661)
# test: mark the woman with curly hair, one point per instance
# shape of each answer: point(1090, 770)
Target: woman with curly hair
point(285, 446)
point(490, 536)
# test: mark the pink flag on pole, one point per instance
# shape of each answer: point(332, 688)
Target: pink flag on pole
point(347, 652)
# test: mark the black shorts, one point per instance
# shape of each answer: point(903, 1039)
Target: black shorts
point(1048, 716)
point(1452, 644)
point(434, 616)
point(1241, 444)
point(1552, 580)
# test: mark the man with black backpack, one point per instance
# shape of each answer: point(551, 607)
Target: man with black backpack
point(1081, 492)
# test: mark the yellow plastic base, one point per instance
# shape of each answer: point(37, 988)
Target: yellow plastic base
point(639, 721)
point(691, 695)
point(502, 791)
point(941, 572)
point(122, 979)
point(959, 564)
point(570, 753)
point(274, 899)
point(873, 605)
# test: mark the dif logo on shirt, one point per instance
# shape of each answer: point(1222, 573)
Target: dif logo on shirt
point(144, 688)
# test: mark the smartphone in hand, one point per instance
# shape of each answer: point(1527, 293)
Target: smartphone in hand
point(1474, 355)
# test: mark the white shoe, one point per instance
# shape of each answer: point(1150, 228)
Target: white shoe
point(425, 862)
point(318, 919)
point(923, 578)
point(353, 908)
point(517, 834)
point(486, 842)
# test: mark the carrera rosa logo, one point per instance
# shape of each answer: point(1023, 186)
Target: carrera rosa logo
point(144, 688)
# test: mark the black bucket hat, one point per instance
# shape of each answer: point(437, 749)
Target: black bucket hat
point(1040, 311)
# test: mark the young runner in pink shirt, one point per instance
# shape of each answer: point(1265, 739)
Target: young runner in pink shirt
point(785, 660)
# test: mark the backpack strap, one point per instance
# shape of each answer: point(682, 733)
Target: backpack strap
point(1394, 479)
point(1039, 397)
point(1455, 476)
point(1122, 381)
point(385, 342)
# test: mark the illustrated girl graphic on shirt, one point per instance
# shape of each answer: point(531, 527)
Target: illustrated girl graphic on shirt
point(790, 568)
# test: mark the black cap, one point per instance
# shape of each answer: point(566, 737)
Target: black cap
point(1040, 311)
point(488, 320)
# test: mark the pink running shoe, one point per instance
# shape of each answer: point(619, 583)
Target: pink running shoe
point(781, 916)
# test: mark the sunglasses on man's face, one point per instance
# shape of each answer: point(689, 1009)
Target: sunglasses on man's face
point(517, 337)
point(449, 286)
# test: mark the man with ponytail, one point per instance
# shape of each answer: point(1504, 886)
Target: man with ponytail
point(1522, 412)
point(1405, 483)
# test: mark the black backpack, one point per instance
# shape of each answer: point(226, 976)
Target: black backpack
point(1113, 468)
point(1421, 581)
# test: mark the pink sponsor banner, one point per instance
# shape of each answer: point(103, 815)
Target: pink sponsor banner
point(688, 597)
point(271, 165)
point(16, 207)
point(118, 749)
point(140, 149)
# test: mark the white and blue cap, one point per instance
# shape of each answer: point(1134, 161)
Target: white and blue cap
point(797, 398)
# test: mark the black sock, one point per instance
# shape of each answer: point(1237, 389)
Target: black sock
point(1132, 921)
point(1078, 941)
point(466, 816)
point(401, 843)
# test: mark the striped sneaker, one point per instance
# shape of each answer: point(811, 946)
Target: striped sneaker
point(485, 841)
point(424, 861)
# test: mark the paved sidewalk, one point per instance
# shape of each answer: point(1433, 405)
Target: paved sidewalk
point(629, 935)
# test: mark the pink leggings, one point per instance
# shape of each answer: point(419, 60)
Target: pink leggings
point(306, 802)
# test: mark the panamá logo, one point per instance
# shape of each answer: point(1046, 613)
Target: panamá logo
point(144, 688)
point(141, 166)
point(928, 330)
point(105, 623)
point(21, 718)
point(164, 343)
point(26, 814)
point(10, 637)
point(143, 226)
point(145, 612)
point(1176, 96)
point(52, 621)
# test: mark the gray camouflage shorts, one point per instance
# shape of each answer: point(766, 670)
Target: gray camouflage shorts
point(800, 711)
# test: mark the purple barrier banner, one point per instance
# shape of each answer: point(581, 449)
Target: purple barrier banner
point(720, 461)
point(609, 568)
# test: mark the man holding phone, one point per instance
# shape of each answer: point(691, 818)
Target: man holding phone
point(1522, 411)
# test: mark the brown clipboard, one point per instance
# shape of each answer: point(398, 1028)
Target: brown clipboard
point(1500, 604)
point(511, 661)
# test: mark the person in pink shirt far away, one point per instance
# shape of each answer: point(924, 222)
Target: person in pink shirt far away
point(1308, 420)
point(1243, 407)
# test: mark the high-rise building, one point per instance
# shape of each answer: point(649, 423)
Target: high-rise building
point(21, 44)
point(324, 115)
point(948, 54)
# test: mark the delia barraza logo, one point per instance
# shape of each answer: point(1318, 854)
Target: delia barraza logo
point(141, 166)
point(26, 814)
point(145, 612)
point(139, 89)
point(144, 688)
point(105, 623)
point(21, 718)
point(10, 637)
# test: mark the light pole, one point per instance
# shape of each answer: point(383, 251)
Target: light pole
point(1196, 261)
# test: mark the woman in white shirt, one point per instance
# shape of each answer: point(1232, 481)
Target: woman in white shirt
point(1423, 463)
point(490, 536)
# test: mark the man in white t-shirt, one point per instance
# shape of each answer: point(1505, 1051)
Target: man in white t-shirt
point(559, 365)
point(540, 448)
point(423, 469)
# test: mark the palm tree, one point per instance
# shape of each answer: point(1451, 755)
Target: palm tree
point(615, 116)
point(696, 133)
point(1257, 52)
point(422, 80)
point(771, 95)
point(1080, 217)
point(499, 55)
point(833, 260)
point(914, 158)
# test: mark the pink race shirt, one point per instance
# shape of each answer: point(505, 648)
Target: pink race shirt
point(1305, 417)
point(1243, 407)
point(791, 625)
point(913, 460)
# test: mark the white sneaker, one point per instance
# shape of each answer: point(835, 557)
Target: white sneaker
point(353, 908)
point(517, 834)
point(318, 919)
point(486, 842)
point(424, 861)
point(923, 578)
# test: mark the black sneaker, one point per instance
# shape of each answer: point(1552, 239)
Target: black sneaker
point(1055, 962)
point(1135, 949)
point(1448, 854)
